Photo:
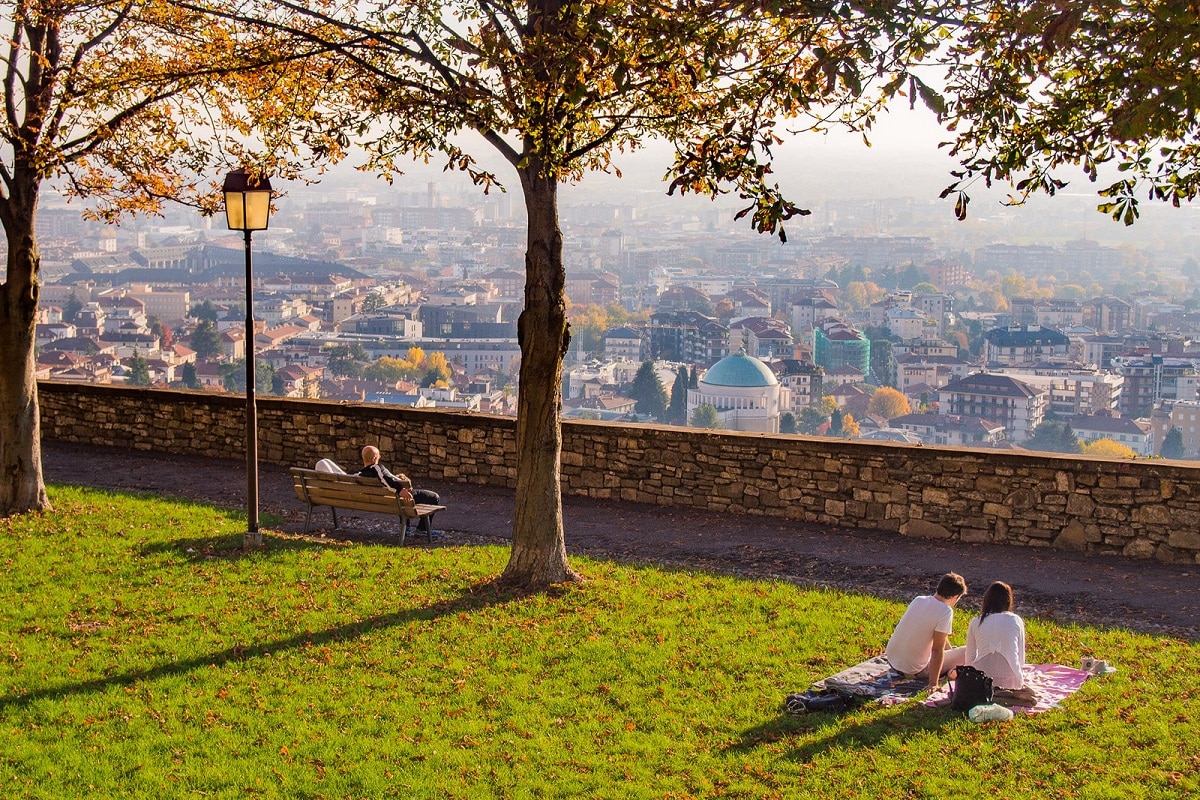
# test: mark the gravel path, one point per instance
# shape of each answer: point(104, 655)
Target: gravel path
point(1065, 587)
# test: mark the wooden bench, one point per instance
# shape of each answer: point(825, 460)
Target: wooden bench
point(360, 494)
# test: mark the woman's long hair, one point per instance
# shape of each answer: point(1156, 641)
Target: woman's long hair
point(996, 600)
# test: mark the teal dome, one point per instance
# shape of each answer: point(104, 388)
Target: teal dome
point(740, 370)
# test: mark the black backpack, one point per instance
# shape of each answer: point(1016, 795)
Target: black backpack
point(971, 688)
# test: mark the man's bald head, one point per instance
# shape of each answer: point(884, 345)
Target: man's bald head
point(370, 455)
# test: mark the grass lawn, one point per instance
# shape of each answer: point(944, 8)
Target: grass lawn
point(143, 655)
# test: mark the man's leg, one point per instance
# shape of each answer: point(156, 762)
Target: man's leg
point(426, 497)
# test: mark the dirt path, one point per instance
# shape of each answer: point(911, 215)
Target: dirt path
point(1067, 587)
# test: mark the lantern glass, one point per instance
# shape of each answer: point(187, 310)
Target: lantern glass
point(247, 207)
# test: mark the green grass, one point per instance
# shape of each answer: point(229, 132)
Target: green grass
point(143, 655)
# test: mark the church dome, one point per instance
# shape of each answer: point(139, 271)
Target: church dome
point(740, 370)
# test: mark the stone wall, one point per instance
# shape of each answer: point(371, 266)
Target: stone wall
point(1142, 509)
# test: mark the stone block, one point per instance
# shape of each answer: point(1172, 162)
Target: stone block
point(1139, 548)
point(1184, 540)
point(924, 530)
point(1079, 505)
point(1073, 537)
point(997, 510)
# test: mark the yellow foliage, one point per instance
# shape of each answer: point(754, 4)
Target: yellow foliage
point(1108, 447)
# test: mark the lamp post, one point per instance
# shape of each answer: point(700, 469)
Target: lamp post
point(248, 208)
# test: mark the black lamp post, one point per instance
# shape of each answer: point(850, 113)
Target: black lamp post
point(248, 208)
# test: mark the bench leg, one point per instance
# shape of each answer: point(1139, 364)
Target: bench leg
point(403, 530)
point(308, 518)
point(335, 522)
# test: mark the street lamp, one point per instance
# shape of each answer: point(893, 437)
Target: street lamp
point(248, 208)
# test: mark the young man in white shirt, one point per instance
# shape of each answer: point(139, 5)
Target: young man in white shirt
point(920, 644)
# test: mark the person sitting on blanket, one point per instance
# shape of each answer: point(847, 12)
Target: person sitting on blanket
point(996, 641)
point(373, 469)
point(920, 644)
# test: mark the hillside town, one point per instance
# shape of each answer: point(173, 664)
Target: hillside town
point(411, 298)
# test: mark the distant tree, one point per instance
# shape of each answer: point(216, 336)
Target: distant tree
point(724, 310)
point(345, 360)
point(205, 340)
point(648, 391)
point(850, 427)
point(188, 375)
point(162, 331)
point(835, 422)
point(1108, 447)
point(787, 422)
point(205, 310)
point(434, 377)
point(706, 416)
point(389, 369)
point(72, 307)
point(1172, 446)
point(694, 379)
point(438, 367)
point(233, 377)
point(883, 365)
point(1053, 436)
point(911, 276)
point(811, 419)
point(677, 410)
point(888, 403)
point(139, 371)
point(925, 287)
point(373, 302)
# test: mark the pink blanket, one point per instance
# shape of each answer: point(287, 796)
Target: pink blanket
point(1052, 682)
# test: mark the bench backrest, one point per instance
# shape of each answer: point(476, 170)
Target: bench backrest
point(347, 491)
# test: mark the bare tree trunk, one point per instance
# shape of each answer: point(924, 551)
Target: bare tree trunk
point(539, 553)
point(21, 486)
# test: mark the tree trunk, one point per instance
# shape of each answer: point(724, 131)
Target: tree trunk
point(21, 486)
point(539, 553)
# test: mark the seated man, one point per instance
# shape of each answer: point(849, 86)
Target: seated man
point(373, 469)
point(920, 645)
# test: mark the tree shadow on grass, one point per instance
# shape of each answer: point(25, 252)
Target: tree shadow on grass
point(482, 595)
point(864, 728)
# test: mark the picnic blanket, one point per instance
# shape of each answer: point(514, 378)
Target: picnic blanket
point(873, 679)
point(1052, 683)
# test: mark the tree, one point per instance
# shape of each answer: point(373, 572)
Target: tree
point(850, 427)
point(345, 360)
point(205, 310)
point(706, 416)
point(233, 377)
point(835, 422)
point(161, 331)
point(1108, 447)
point(556, 89)
point(1053, 437)
point(1107, 83)
point(187, 374)
point(139, 371)
point(787, 422)
point(1172, 446)
point(811, 419)
point(648, 391)
point(72, 307)
point(205, 340)
point(677, 409)
point(111, 102)
point(888, 403)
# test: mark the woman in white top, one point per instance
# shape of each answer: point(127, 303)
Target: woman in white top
point(996, 639)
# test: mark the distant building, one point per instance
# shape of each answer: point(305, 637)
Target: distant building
point(836, 344)
point(1182, 414)
point(745, 392)
point(951, 429)
point(1019, 345)
point(1149, 380)
point(1016, 405)
point(803, 380)
point(1137, 436)
point(625, 343)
